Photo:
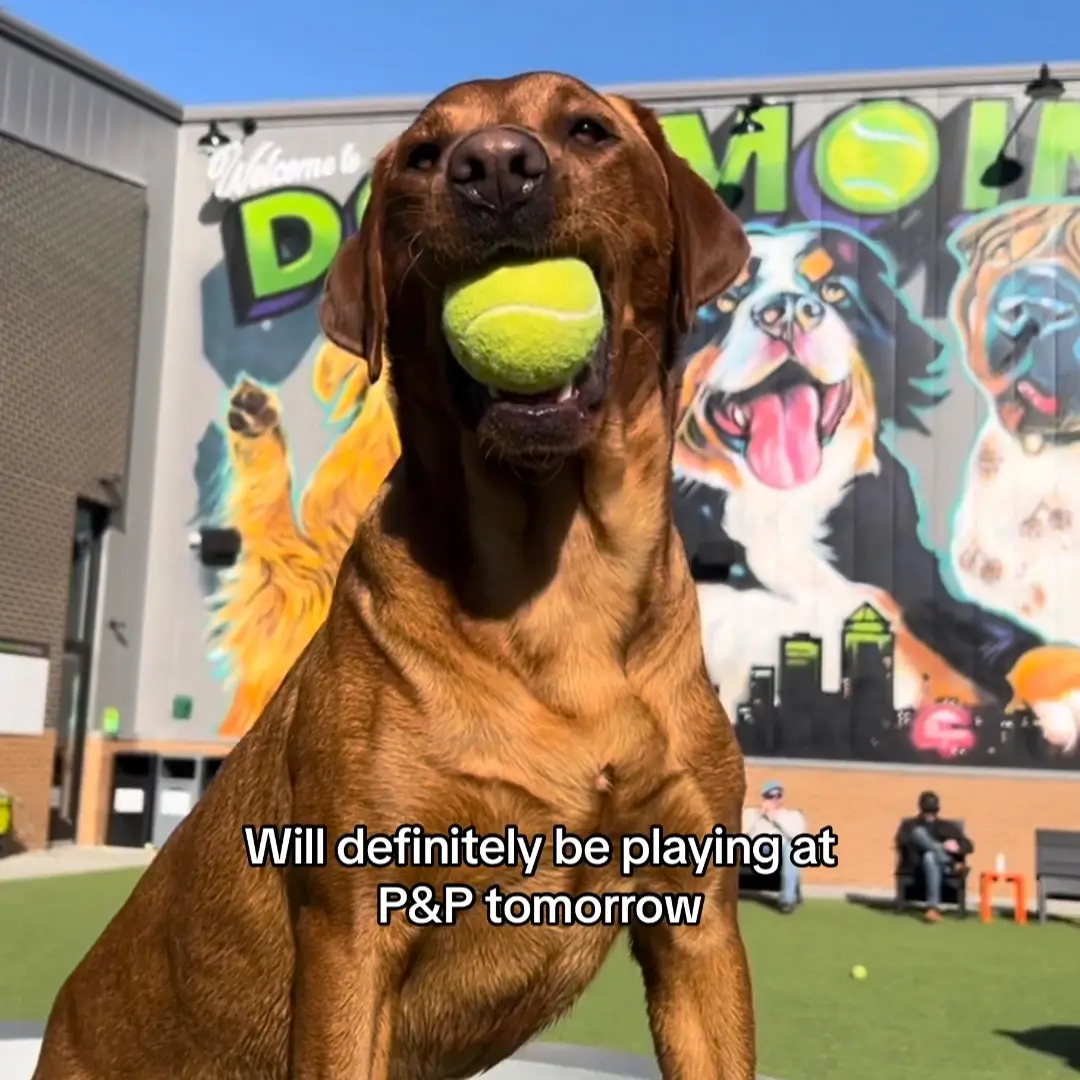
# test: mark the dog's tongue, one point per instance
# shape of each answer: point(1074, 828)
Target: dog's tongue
point(783, 447)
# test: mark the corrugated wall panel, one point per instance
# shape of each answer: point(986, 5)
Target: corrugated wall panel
point(61, 111)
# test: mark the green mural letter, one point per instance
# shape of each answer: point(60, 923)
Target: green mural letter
point(768, 150)
point(988, 124)
point(356, 204)
point(688, 135)
point(1057, 149)
point(278, 245)
point(878, 156)
point(261, 219)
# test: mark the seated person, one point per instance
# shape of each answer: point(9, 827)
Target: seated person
point(934, 846)
point(773, 818)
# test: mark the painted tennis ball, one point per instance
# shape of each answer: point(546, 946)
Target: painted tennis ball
point(858, 972)
point(526, 328)
point(877, 157)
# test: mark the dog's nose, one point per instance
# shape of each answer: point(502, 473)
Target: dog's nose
point(497, 167)
point(780, 315)
point(1019, 316)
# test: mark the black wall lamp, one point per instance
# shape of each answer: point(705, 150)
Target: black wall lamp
point(216, 548)
point(215, 138)
point(1006, 169)
point(747, 124)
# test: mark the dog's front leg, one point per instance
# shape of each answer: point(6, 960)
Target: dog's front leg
point(697, 986)
point(343, 1000)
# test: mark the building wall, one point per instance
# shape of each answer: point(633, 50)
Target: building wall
point(86, 171)
point(926, 556)
point(210, 351)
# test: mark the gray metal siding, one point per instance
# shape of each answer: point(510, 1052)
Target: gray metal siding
point(60, 111)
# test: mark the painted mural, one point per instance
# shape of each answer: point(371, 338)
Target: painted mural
point(877, 464)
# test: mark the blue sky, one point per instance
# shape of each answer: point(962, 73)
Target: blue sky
point(202, 51)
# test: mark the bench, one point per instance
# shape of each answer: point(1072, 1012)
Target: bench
point(911, 888)
point(1057, 866)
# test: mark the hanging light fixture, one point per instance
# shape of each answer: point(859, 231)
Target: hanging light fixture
point(1006, 169)
point(1045, 87)
point(213, 140)
point(747, 124)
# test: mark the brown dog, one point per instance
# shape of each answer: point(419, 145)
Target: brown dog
point(513, 638)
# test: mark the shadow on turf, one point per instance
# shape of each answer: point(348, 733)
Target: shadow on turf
point(1060, 1041)
point(887, 905)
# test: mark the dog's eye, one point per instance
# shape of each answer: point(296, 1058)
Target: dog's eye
point(727, 304)
point(423, 158)
point(832, 292)
point(588, 131)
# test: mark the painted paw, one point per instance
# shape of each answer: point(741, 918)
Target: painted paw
point(1060, 519)
point(1034, 602)
point(1031, 528)
point(1046, 683)
point(252, 410)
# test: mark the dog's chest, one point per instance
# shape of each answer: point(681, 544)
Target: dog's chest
point(1017, 533)
point(513, 980)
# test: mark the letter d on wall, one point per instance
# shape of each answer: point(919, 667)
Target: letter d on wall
point(278, 246)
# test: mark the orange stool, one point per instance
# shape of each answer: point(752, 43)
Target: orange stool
point(988, 879)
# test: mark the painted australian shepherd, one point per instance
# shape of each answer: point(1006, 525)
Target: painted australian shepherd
point(794, 510)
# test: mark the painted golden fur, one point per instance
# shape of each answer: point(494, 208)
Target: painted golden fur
point(277, 596)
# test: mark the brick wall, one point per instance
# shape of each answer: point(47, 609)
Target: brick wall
point(71, 243)
point(26, 773)
point(864, 807)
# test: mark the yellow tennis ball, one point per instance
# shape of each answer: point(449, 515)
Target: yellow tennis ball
point(877, 157)
point(526, 328)
point(858, 972)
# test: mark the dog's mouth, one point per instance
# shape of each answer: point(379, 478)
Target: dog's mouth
point(541, 425)
point(1038, 417)
point(782, 425)
point(552, 423)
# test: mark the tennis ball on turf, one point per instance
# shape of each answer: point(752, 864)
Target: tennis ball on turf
point(858, 972)
point(527, 328)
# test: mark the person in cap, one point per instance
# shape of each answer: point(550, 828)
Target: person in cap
point(773, 818)
point(937, 846)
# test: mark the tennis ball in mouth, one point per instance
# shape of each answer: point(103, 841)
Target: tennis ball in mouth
point(525, 327)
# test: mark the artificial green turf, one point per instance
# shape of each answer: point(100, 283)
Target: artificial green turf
point(933, 1005)
point(46, 926)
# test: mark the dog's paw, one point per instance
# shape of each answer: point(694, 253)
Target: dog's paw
point(252, 410)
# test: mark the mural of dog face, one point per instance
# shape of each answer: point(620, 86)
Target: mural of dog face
point(1017, 307)
point(812, 338)
point(1015, 545)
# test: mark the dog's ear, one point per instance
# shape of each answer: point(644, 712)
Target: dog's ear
point(710, 246)
point(353, 309)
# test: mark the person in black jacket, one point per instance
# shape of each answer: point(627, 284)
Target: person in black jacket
point(935, 846)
